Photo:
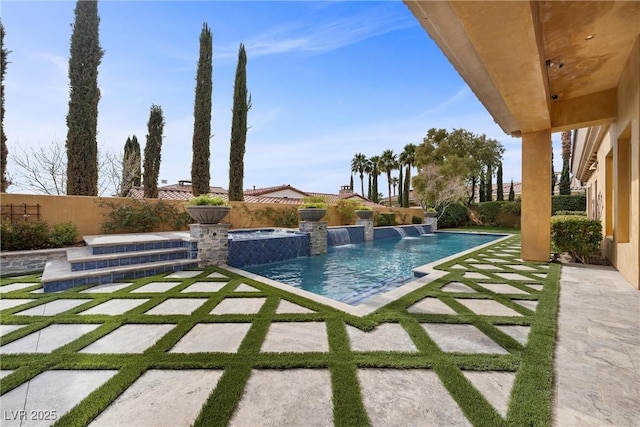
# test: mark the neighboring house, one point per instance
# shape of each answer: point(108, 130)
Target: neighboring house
point(284, 194)
point(548, 67)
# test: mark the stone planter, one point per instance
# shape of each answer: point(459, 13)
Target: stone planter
point(206, 214)
point(312, 214)
point(364, 214)
point(430, 214)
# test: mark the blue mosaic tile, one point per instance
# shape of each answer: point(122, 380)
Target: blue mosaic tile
point(262, 251)
point(102, 264)
point(77, 266)
point(91, 265)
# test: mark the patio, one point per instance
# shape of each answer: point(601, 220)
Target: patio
point(211, 347)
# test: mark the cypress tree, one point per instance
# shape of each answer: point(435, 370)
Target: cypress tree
point(512, 194)
point(84, 94)
point(400, 188)
point(499, 189)
point(488, 186)
point(130, 166)
point(241, 106)
point(152, 150)
point(407, 189)
point(4, 182)
point(351, 182)
point(481, 190)
point(565, 180)
point(553, 175)
point(137, 169)
point(200, 175)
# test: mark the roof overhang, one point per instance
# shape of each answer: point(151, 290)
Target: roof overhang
point(536, 65)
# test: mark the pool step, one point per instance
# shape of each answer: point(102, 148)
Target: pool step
point(110, 258)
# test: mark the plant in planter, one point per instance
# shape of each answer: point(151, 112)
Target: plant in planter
point(430, 213)
point(205, 209)
point(364, 212)
point(313, 208)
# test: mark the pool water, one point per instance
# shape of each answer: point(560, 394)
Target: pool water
point(355, 272)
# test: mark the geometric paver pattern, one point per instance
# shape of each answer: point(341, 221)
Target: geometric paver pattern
point(211, 347)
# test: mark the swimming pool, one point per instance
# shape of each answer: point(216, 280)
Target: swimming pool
point(355, 272)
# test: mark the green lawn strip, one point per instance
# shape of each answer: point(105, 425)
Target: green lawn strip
point(224, 398)
point(25, 369)
point(533, 387)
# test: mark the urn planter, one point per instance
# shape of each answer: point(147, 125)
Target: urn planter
point(312, 214)
point(364, 214)
point(206, 214)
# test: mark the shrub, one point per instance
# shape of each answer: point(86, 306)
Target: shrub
point(279, 217)
point(317, 202)
point(488, 212)
point(576, 202)
point(577, 235)
point(416, 219)
point(386, 218)
point(512, 208)
point(64, 234)
point(577, 213)
point(25, 235)
point(207, 200)
point(139, 216)
point(453, 215)
point(347, 210)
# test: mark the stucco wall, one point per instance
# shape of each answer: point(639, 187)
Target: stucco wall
point(625, 256)
point(85, 213)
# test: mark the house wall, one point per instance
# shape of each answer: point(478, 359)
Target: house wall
point(88, 216)
point(615, 185)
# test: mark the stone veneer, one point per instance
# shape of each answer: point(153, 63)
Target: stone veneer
point(21, 262)
point(213, 243)
point(368, 228)
point(317, 236)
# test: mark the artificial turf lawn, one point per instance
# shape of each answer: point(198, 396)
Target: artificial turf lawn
point(533, 363)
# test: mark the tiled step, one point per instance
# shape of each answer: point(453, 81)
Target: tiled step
point(58, 276)
point(84, 259)
point(117, 243)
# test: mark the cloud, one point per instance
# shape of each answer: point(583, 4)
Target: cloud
point(314, 37)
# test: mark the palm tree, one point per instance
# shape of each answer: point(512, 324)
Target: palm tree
point(359, 165)
point(388, 162)
point(375, 171)
point(407, 158)
point(394, 182)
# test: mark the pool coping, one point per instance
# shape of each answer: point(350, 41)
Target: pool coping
point(370, 305)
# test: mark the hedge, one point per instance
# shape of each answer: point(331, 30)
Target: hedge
point(577, 235)
point(453, 215)
point(28, 235)
point(576, 202)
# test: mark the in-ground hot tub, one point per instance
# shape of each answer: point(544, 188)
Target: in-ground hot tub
point(266, 245)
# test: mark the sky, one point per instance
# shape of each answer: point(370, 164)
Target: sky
point(327, 80)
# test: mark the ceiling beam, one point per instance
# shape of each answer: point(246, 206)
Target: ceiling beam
point(584, 111)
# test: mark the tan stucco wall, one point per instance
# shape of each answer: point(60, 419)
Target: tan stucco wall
point(624, 256)
point(85, 213)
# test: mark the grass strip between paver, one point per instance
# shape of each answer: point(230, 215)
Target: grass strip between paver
point(532, 363)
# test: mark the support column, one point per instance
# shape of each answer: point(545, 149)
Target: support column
point(536, 196)
point(368, 228)
point(213, 243)
point(317, 236)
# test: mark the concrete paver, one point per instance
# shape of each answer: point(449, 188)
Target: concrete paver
point(16, 286)
point(107, 288)
point(212, 337)
point(11, 303)
point(296, 337)
point(177, 306)
point(494, 386)
point(129, 339)
point(286, 307)
point(503, 288)
point(204, 287)
point(114, 307)
point(217, 275)
point(597, 356)
point(408, 397)
point(5, 329)
point(531, 305)
point(47, 339)
point(513, 276)
point(52, 308)
point(518, 333)
point(296, 397)
point(384, 337)
point(243, 287)
point(239, 306)
point(456, 287)
point(156, 287)
point(431, 305)
point(161, 398)
point(41, 406)
point(461, 338)
point(487, 307)
point(183, 274)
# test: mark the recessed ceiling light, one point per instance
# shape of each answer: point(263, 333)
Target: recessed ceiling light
point(589, 37)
